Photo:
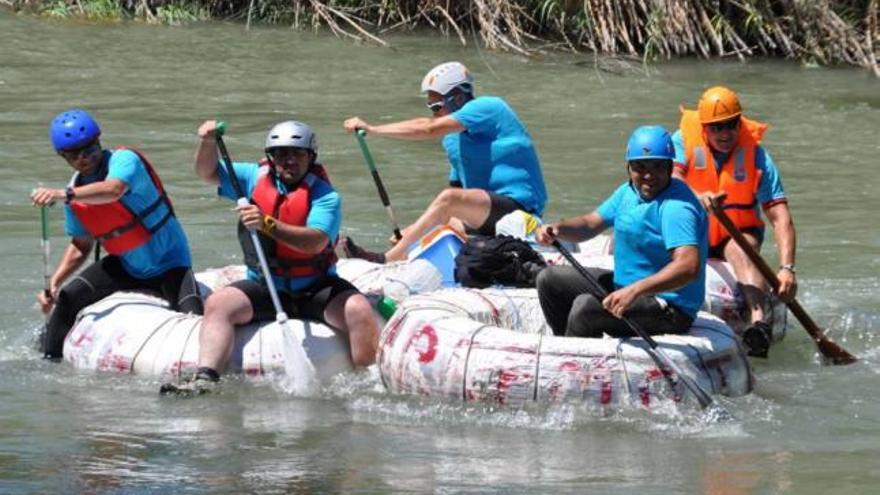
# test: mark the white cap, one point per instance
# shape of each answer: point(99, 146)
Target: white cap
point(446, 77)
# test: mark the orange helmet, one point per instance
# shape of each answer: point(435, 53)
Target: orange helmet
point(718, 103)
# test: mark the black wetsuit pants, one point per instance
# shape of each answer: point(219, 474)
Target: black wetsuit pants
point(572, 312)
point(106, 276)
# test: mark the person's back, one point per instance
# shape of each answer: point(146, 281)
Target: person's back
point(496, 153)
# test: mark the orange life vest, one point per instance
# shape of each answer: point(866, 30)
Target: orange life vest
point(292, 209)
point(114, 224)
point(739, 177)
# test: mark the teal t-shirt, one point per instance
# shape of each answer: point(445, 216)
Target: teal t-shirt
point(167, 248)
point(646, 232)
point(495, 153)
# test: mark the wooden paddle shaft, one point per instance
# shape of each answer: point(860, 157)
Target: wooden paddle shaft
point(827, 347)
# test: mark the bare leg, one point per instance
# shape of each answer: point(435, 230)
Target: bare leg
point(471, 206)
point(749, 277)
point(223, 310)
point(351, 313)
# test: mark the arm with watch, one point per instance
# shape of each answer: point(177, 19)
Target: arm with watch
point(305, 239)
point(783, 231)
point(96, 193)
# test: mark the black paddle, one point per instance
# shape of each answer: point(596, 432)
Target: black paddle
point(831, 351)
point(663, 362)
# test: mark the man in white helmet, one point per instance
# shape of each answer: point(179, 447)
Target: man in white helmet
point(297, 214)
point(494, 168)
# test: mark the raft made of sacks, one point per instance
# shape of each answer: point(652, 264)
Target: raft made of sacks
point(132, 332)
point(483, 345)
point(493, 345)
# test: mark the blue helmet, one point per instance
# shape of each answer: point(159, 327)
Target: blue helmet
point(650, 142)
point(73, 128)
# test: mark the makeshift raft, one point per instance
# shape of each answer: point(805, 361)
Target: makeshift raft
point(493, 345)
point(490, 344)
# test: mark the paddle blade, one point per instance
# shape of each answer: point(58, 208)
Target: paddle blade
point(835, 354)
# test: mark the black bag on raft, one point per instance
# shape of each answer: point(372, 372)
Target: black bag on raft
point(505, 260)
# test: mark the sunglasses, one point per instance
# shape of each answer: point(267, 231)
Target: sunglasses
point(727, 125)
point(283, 155)
point(435, 106)
point(78, 152)
point(654, 166)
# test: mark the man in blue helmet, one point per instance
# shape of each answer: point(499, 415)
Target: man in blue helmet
point(116, 197)
point(494, 168)
point(660, 249)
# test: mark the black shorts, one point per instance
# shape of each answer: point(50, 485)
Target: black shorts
point(717, 251)
point(306, 304)
point(500, 206)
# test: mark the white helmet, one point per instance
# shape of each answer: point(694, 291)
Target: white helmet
point(291, 133)
point(446, 77)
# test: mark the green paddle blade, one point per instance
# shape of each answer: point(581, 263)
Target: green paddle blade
point(221, 128)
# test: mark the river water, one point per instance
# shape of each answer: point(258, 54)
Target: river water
point(806, 429)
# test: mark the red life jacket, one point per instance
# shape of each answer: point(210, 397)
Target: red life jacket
point(114, 224)
point(292, 209)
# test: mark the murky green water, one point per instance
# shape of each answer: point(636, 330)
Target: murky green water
point(807, 428)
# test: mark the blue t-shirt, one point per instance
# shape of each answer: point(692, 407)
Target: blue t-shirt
point(167, 248)
point(325, 213)
point(769, 186)
point(495, 153)
point(646, 232)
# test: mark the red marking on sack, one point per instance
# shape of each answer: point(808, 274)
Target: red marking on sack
point(605, 394)
point(506, 378)
point(496, 315)
point(653, 374)
point(114, 362)
point(393, 328)
point(81, 338)
point(424, 342)
point(645, 394)
point(175, 367)
point(569, 366)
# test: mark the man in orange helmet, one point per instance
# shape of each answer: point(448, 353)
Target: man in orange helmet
point(718, 153)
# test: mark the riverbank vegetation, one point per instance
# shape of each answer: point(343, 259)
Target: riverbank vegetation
point(822, 32)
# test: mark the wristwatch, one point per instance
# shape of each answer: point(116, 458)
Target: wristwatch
point(269, 225)
point(69, 194)
point(789, 267)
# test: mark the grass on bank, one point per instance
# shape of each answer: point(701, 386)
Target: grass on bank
point(814, 31)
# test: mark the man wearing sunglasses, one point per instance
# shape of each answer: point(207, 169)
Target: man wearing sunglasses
point(494, 168)
point(297, 214)
point(117, 198)
point(660, 248)
point(719, 154)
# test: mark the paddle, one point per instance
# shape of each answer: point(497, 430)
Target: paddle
point(383, 195)
point(831, 351)
point(297, 364)
point(662, 361)
point(44, 244)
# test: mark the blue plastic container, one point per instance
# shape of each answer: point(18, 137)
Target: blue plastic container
point(440, 247)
